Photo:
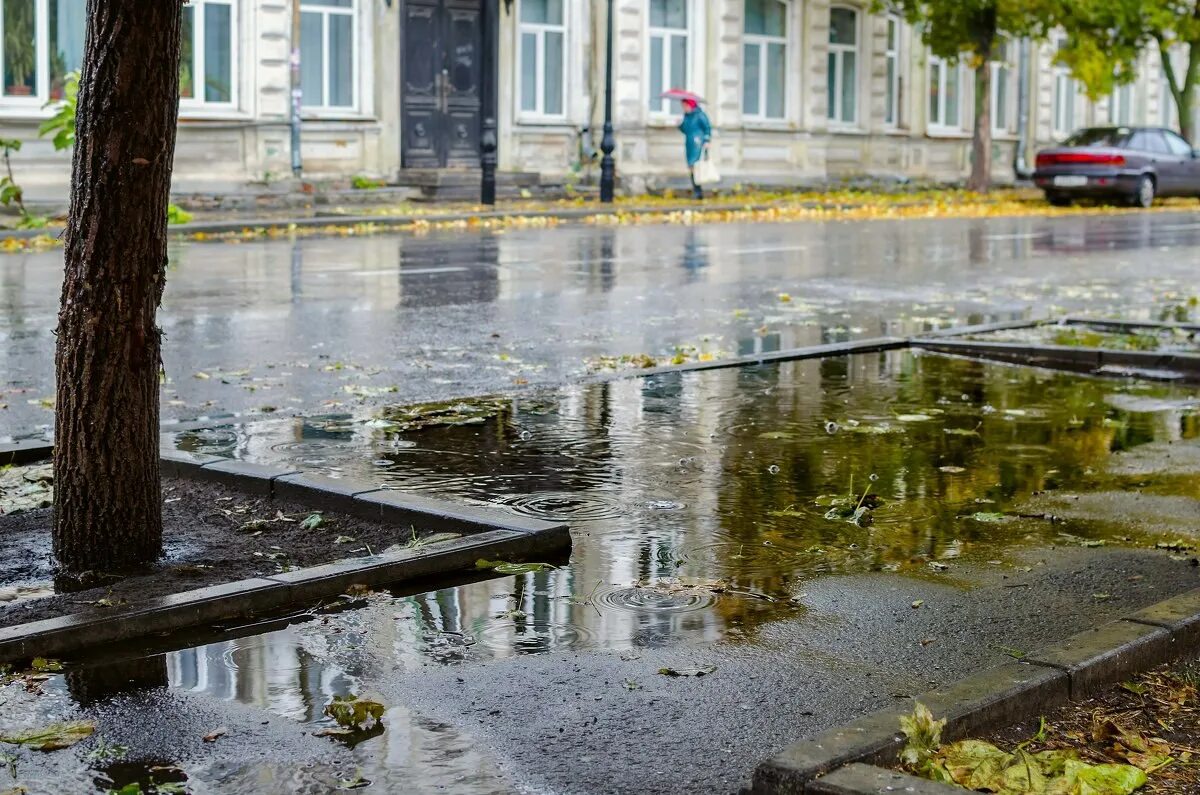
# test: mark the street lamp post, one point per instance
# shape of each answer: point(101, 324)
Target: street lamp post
point(608, 143)
point(488, 140)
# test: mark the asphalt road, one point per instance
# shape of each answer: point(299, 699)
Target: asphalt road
point(291, 325)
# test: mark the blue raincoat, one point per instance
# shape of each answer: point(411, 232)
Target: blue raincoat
point(696, 133)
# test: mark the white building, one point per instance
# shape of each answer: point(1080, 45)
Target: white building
point(799, 91)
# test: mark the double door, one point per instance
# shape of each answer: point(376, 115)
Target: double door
point(441, 83)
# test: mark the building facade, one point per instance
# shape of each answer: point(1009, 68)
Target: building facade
point(799, 91)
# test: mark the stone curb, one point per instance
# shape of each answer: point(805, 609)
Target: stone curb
point(1071, 670)
point(860, 779)
point(872, 345)
point(25, 452)
point(486, 533)
point(1065, 356)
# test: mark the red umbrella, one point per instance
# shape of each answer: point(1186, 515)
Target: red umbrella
point(681, 95)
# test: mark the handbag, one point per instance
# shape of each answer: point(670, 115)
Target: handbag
point(705, 171)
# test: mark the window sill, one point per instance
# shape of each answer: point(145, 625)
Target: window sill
point(544, 121)
point(198, 116)
point(335, 120)
point(847, 129)
point(769, 125)
point(948, 134)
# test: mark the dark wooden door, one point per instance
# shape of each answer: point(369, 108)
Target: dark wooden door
point(441, 97)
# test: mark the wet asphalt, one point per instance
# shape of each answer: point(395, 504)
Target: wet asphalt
point(300, 326)
point(442, 316)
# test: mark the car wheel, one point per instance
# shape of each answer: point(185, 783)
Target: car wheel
point(1058, 200)
point(1144, 195)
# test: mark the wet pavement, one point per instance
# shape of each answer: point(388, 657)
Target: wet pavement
point(1011, 507)
point(829, 536)
point(302, 327)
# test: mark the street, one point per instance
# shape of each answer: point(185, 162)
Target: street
point(319, 324)
point(697, 546)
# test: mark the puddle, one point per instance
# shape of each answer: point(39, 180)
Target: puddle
point(1082, 335)
point(701, 505)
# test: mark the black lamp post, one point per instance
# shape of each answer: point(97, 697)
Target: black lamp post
point(608, 143)
point(488, 142)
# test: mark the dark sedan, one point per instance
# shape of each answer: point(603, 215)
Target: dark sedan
point(1135, 164)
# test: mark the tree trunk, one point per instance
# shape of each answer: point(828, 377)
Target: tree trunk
point(981, 142)
point(108, 502)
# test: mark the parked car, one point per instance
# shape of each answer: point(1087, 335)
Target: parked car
point(1136, 164)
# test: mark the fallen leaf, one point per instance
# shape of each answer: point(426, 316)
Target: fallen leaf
point(696, 672)
point(216, 734)
point(500, 567)
point(52, 737)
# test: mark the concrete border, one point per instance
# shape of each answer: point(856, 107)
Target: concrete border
point(1071, 670)
point(1098, 361)
point(872, 345)
point(485, 533)
point(25, 451)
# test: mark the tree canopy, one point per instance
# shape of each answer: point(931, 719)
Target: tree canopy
point(1105, 40)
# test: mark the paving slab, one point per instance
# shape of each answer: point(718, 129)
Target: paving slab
point(868, 780)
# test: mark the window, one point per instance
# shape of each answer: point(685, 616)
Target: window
point(1120, 105)
point(1003, 96)
point(1148, 141)
point(764, 59)
point(1167, 114)
point(891, 57)
point(946, 83)
point(668, 50)
point(1099, 136)
point(843, 65)
point(543, 57)
point(42, 42)
point(1065, 91)
point(1178, 146)
point(206, 62)
point(328, 62)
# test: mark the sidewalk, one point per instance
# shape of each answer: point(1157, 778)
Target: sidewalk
point(364, 215)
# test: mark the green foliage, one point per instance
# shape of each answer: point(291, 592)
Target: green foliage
point(354, 713)
point(52, 737)
point(1105, 39)
point(11, 193)
point(982, 767)
point(62, 124)
point(178, 215)
point(501, 567)
point(969, 29)
point(359, 182)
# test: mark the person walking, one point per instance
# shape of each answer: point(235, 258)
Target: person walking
point(697, 132)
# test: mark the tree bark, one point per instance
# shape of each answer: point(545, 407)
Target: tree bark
point(108, 502)
point(981, 142)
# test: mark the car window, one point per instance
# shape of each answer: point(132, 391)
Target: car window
point(1178, 146)
point(1139, 141)
point(1156, 143)
point(1099, 136)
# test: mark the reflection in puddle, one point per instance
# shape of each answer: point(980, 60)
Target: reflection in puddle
point(700, 507)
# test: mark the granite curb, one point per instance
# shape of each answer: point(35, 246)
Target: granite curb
point(1070, 670)
point(485, 533)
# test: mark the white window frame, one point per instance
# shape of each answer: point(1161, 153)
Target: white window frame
point(356, 90)
point(763, 41)
point(33, 104)
point(939, 124)
point(662, 110)
point(1064, 102)
point(1168, 115)
point(1123, 102)
point(1004, 70)
point(834, 112)
point(540, 29)
point(197, 102)
point(892, 48)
